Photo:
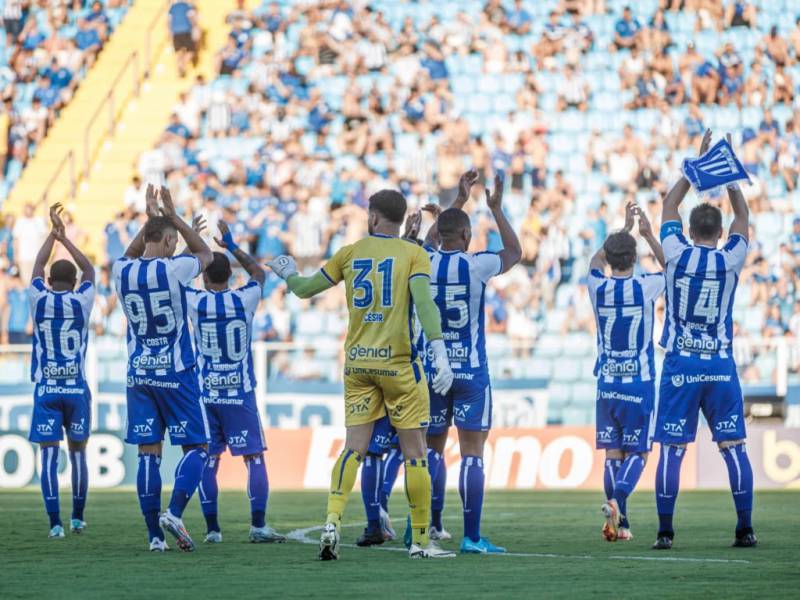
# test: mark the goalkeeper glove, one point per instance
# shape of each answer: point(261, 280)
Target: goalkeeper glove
point(284, 266)
point(444, 374)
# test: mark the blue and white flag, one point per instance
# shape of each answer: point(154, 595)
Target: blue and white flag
point(718, 166)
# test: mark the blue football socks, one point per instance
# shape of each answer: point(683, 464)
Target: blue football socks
point(668, 479)
point(49, 482)
point(391, 465)
point(438, 471)
point(470, 487)
point(740, 475)
point(257, 489)
point(148, 487)
point(371, 489)
point(187, 477)
point(80, 482)
point(209, 493)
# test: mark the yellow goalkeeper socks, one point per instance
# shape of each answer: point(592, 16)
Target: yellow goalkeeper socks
point(418, 493)
point(343, 478)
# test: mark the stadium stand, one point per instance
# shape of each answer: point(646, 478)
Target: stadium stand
point(314, 105)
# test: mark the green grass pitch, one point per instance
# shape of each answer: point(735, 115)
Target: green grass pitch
point(555, 534)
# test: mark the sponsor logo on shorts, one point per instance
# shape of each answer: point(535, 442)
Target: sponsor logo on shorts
point(172, 385)
point(78, 426)
point(46, 428)
point(145, 428)
point(360, 407)
point(620, 368)
point(397, 411)
point(363, 371)
point(179, 430)
point(631, 438)
point(60, 390)
point(729, 425)
point(224, 401)
point(222, 381)
point(152, 361)
point(238, 440)
point(615, 395)
point(674, 428)
point(605, 435)
point(66, 371)
point(358, 352)
point(462, 411)
point(382, 441)
point(697, 345)
point(441, 418)
point(679, 380)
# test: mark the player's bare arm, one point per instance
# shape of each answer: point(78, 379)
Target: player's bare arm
point(432, 237)
point(136, 248)
point(511, 253)
point(741, 214)
point(646, 231)
point(195, 243)
point(677, 193)
point(59, 230)
point(47, 248)
point(413, 223)
point(248, 263)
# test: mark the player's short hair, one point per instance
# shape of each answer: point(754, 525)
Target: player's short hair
point(63, 271)
point(219, 271)
point(156, 227)
point(452, 222)
point(620, 249)
point(705, 221)
point(390, 204)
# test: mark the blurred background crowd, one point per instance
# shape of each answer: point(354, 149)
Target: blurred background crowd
point(582, 105)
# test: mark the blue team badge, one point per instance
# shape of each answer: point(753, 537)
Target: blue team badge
point(717, 167)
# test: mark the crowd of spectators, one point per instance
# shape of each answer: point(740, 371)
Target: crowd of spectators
point(45, 51)
point(582, 105)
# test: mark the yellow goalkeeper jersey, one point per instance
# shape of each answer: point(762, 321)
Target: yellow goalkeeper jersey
point(377, 271)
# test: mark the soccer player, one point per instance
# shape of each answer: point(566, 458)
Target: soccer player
point(458, 284)
point(61, 400)
point(699, 371)
point(222, 321)
point(386, 278)
point(163, 393)
point(625, 367)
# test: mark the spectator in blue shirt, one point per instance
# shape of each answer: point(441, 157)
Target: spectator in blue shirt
point(519, 20)
point(87, 37)
point(18, 313)
point(627, 31)
point(46, 94)
point(182, 26)
point(175, 127)
point(273, 20)
point(434, 61)
point(98, 19)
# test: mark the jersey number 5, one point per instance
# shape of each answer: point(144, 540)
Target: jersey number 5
point(363, 295)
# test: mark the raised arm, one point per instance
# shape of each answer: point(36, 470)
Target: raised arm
point(302, 287)
point(511, 253)
point(195, 243)
point(83, 263)
point(675, 196)
point(741, 214)
point(465, 183)
point(646, 231)
point(248, 263)
point(432, 237)
point(136, 247)
point(43, 256)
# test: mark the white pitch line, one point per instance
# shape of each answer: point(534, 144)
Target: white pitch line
point(301, 535)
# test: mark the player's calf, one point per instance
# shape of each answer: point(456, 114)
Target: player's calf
point(740, 476)
point(209, 494)
point(49, 486)
point(80, 484)
point(668, 477)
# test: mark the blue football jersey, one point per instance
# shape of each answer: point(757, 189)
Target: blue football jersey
point(223, 327)
point(60, 333)
point(152, 292)
point(623, 312)
point(701, 284)
point(458, 286)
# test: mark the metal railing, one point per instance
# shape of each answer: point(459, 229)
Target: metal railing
point(137, 65)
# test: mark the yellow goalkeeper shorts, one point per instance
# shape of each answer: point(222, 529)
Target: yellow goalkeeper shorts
point(396, 389)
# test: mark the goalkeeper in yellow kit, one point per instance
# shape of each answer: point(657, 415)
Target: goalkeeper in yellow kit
point(386, 278)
